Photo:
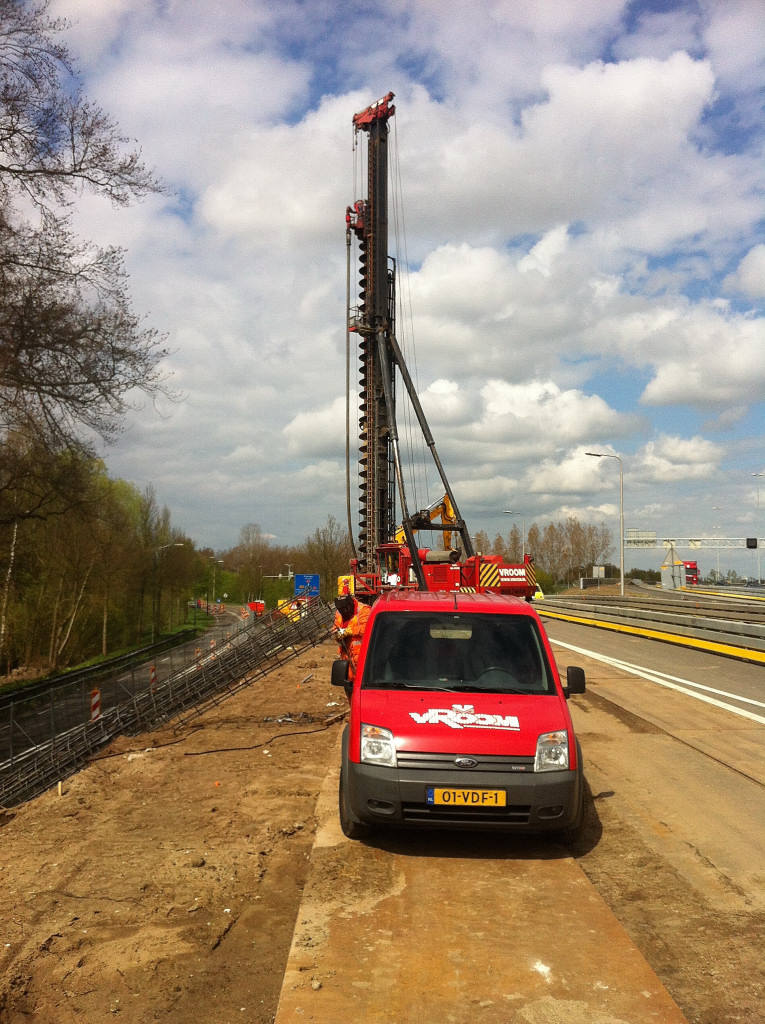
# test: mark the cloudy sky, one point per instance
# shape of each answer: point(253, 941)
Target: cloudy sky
point(582, 251)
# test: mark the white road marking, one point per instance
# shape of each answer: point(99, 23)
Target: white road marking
point(674, 683)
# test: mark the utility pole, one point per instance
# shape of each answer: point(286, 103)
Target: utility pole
point(605, 455)
point(757, 529)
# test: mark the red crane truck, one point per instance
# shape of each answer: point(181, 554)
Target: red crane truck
point(457, 713)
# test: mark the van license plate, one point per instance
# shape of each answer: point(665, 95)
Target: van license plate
point(467, 797)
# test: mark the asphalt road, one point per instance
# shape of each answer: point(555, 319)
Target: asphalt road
point(696, 780)
point(674, 754)
point(726, 674)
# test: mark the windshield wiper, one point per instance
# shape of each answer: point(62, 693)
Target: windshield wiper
point(401, 684)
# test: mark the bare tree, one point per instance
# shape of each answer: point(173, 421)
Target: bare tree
point(567, 549)
point(71, 350)
point(482, 543)
point(500, 547)
point(53, 141)
point(514, 545)
point(328, 552)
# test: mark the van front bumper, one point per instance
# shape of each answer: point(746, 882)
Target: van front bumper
point(398, 797)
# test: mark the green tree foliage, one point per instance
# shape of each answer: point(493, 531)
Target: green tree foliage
point(644, 575)
point(91, 577)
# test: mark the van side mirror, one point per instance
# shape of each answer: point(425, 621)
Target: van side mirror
point(339, 675)
point(575, 682)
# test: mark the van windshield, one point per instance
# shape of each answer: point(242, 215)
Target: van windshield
point(457, 653)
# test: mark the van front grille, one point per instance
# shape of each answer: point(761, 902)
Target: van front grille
point(446, 763)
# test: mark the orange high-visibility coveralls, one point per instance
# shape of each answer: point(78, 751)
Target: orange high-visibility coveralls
point(350, 632)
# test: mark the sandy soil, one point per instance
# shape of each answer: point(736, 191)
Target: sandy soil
point(168, 874)
point(163, 882)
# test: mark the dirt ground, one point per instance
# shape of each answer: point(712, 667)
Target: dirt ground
point(163, 882)
point(167, 875)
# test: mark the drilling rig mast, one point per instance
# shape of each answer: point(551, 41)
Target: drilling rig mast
point(387, 554)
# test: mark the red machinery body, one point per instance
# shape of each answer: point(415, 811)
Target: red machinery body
point(473, 575)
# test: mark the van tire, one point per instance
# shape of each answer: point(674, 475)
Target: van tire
point(570, 835)
point(352, 828)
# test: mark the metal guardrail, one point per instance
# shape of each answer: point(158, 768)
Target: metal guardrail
point(94, 674)
point(47, 737)
point(749, 635)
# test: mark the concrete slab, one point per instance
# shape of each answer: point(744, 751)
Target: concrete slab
point(434, 929)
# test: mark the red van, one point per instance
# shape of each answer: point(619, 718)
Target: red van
point(458, 719)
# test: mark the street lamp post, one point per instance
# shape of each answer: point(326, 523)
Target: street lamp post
point(216, 563)
point(509, 512)
point(757, 529)
point(605, 455)
point(717, 508)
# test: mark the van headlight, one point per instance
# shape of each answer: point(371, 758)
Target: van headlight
point(552, 752)
point(377, 746)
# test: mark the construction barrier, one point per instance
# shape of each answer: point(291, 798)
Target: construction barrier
point(38, 750)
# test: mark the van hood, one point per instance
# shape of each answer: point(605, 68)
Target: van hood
point(470, 723)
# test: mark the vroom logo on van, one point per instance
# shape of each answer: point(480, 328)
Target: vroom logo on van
point(463, 716)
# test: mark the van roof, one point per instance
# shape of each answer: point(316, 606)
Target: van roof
point(443, 600)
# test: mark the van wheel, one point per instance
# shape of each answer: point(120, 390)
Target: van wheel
point(574, 831)
point(352, 828)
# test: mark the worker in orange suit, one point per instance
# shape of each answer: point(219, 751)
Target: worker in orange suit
point(350, 622)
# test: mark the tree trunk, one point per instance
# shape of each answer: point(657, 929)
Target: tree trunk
point(7, 587)
point(105, 621)
point(54, 627)
point(75, 609)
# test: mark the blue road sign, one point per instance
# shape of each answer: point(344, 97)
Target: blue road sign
point(306, 585)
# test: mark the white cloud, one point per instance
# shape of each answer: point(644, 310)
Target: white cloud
point(445, 402)
point(733, 35)
point(568, 219)
point(749, 277)
point(677, 460)
point(710, 359)
point(542, 256)
point(659, 34)
point(574, 473)
point(318, 432)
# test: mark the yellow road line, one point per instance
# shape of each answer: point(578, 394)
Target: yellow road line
point(728, 650)
point(728, 597)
